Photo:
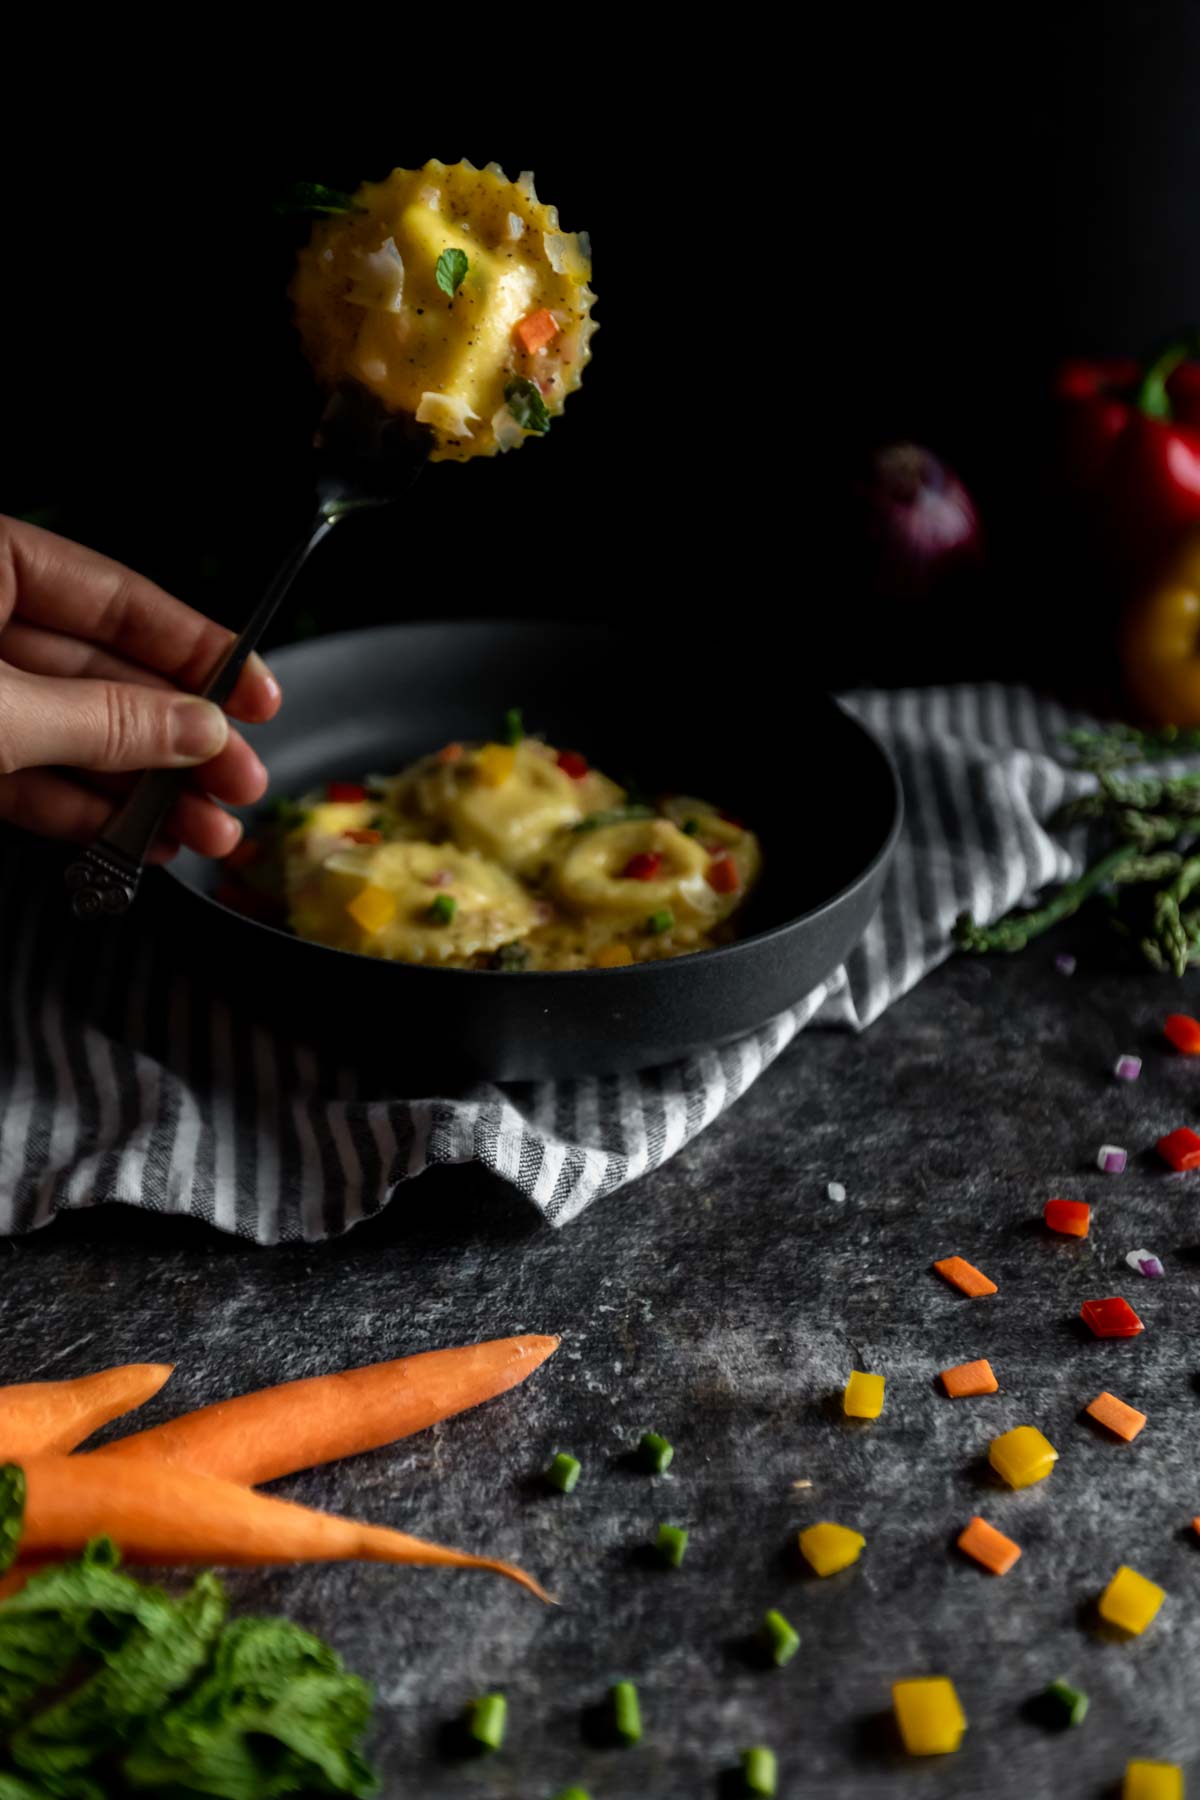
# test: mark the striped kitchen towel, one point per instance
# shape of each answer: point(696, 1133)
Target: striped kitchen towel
point(120, 1080)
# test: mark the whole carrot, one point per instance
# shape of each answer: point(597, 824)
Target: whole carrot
point(278, 1430)
point(163, 1515)
point(51, 1417)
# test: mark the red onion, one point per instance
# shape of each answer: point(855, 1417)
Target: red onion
point(920, 521)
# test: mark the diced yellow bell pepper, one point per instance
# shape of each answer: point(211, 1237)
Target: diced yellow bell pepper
point(1022, 1456)
point(828, 1547)
point(863, 1398)
point(613, 956)
point(372, 908)
point(495, 763)
point(929, 1715)
point(1130, 1601)
point(1152, 1781)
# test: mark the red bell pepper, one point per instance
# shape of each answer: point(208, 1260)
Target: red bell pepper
point(1131, 438)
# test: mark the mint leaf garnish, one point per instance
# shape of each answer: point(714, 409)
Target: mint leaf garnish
point(452, 266)
point(311, 197)
point(526, 405)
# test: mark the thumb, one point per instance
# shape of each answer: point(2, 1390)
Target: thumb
point(107, 726)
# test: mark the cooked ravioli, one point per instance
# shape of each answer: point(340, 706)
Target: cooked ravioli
point(452, 295)
point(509, 856)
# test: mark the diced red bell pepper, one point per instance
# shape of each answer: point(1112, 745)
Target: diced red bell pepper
point(347, 791)
point(1183, 1032)
point(1070, 1217)
point(644, 866)
point(1180, 1148)
point(722, 875)
point(1110, 1318)
point(572, 764)
point(367, 835)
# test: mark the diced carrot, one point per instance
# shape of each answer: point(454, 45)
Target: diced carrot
point(450, 753)
point(158, 1514)
point(278, 1430)
point(536, 330)
point(988, 1546)
point(41, 1417)
point(643, 865)
point(1183, 1032)
point(1126, 1421)
point(366, 835)
point(970, 1378)
point(962, 1275)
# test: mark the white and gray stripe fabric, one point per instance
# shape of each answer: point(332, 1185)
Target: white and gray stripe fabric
point(122, 1080)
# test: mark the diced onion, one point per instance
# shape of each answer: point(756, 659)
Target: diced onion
point(507, 432)
point(447, 413)
point(516, 226)
point(431, 197)
point(381, 284)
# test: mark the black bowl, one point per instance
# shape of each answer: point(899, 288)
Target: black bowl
point(736, 725)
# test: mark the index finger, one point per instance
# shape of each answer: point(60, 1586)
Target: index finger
point(63, 587)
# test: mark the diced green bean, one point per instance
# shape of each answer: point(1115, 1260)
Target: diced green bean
point(660, 921)
point(564, 1472)
point(760, 1770)
point(781, 1639)
point(514, 726)
point(671, 1544)
point(627, 1712)
point(487, 1721)
point(654, 1453)
point(1072, 1701)
point(443, 909)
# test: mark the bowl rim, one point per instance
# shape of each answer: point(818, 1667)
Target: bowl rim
point(770, 934)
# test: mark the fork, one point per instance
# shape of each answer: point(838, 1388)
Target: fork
point(364, 458)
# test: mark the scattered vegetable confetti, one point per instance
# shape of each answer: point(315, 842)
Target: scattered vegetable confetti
point(782, 1640)
point(671, 1544)
point(1126, 1421)
point(989, 1547)
point(1070, 1704)
point(627, 1712)
point(968, 1280)
point(836, 1192)
point(1022, 1456)
point(760, 1771)
point(1112, 1318)
point(1130, 1601)
point(1127, 1068)
point(495, 763)
point(1111, 1159)
point(372, 908)
point(863, 1396)
point(1180, 1148)
point(654, 1453)
point(1070, 1218)
point(1152, 1781)
point(564, 1472)
point(488, 1720)
point(929, 1715)
point(967, 1379)
point(1184, 1032)
point(1146, 1263)
point(829, 1548)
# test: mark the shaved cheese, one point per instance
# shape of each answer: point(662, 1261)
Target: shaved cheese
point(447, 413)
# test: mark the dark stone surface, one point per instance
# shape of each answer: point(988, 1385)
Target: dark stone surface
point(724, 1301)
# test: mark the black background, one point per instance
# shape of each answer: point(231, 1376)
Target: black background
point(884, 227)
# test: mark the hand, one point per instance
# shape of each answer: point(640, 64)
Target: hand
point(95, 664)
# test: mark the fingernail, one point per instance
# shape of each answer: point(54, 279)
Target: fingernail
point(258, 668)
point(198, 730)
